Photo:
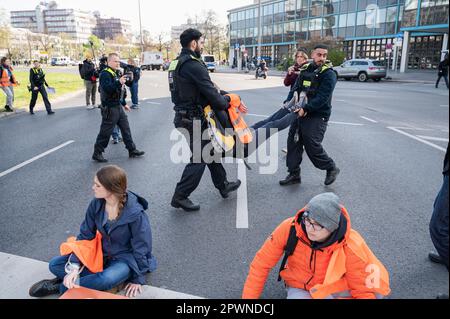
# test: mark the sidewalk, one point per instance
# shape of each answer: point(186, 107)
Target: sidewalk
point(18, 274)
point(412, 76)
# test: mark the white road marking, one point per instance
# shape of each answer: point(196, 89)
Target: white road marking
point(155, 103)
point(432, 138)
point(242, 202)
point(15, 168)
point(418, 139)
point(340, 100)
point(368, 119)
point(257, 115)
point(345, 123)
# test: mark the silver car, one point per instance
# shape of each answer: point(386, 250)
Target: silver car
point(362, 69)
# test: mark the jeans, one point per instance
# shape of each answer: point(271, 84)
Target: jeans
point(114, 273)
point(439, 222)
point(9, 91)
point(279, 120)
point(116, 133)
point(134, 88)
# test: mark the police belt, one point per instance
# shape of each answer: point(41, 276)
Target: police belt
point(190, 114)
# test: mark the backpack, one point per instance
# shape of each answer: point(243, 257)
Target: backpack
point(81, 70)
point(289, 248)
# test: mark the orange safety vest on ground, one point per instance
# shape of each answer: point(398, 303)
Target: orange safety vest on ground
point(239, 125)
point(89, 252)
point(347, 268)
point(5, 80)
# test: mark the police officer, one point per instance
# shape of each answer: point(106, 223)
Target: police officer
point(37, 82)
point(192, 89)
point(318, 81)
point(112, 86)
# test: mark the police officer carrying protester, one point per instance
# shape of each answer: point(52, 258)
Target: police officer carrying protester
point(37, 82)
point(318, 81)
point(112, 90)
point(192, 89)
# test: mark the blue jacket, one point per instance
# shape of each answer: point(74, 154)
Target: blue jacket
point(128, 240)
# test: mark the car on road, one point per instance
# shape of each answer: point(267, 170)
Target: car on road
point(210, 62)
point(60, 61)
point(361, 69)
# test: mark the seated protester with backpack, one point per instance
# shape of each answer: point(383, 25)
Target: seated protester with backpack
point(118, 215)
point(324, 257)
point(89, 74)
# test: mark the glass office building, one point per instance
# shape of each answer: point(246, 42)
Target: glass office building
point(415, 32)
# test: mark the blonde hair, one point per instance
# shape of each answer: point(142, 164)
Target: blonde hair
point(302, 53)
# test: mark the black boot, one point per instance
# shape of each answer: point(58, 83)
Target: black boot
point(291, 179)
point(8, 109)
point(136, 153)
point(331, 176)
point(432, 256)
point(99, 157)
point(184, 203)
point(229, 187)
point(45, 288)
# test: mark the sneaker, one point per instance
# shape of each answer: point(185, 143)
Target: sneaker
point(45, 288)
point(90, 107)
point(8, 109)
point(331, 176)
point(135, 106)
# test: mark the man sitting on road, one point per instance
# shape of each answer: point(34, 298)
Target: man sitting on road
point(325, 257)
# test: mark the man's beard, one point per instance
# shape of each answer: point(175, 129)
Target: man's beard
point(198, 52)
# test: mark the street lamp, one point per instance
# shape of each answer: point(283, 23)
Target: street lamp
point(140, 27)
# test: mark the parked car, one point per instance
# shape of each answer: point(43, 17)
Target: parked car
point(362, 69)
point(166, 65)
point(210, 62)
point(60, 61)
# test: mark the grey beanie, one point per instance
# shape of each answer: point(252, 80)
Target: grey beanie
point(325, 210)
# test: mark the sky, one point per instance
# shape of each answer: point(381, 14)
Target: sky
point(157, 16)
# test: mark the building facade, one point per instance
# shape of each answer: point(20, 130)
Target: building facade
point(110, 28)
point(407, 34)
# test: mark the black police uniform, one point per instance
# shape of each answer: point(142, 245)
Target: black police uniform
point(37, 79)
point(111, 91)
point(192, 89)
point(308, 132)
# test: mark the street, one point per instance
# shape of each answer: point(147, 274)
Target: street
point(388, 139)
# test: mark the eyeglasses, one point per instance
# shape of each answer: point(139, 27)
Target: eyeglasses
point(307, 221)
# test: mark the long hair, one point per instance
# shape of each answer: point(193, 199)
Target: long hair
point(114, 180)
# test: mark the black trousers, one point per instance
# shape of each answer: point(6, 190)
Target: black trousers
point(112, 116)
point(439, 80)
point(311, 131)
point(34, 96)
point(193, 171)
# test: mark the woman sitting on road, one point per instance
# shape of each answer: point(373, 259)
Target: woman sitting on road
point(126, 240)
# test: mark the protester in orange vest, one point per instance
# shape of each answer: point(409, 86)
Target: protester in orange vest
point(118, 215)
point(329, 259)
point(7, 83)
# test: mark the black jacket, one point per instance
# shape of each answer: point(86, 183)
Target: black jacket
point(446, 166)
point(136, 73)
point(197, 73)
point(443, 68)
point(110, 88)
point(37, 77)
point(88, 71)
point(319, 102)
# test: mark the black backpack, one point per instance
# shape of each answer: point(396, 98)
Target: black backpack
point(81, 70)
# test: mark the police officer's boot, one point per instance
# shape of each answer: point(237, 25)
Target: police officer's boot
point(99, 157)
point(291, 179)
point(229, 187)
point(331, 175)
point(136, 153)
point(184, 203)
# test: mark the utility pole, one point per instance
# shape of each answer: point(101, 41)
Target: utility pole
point(140, 27)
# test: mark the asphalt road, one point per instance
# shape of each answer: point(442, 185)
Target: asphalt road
point(387, 138)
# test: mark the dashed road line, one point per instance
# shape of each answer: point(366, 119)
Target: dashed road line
point(15, 168)
point(395, 129)
point(242, 202)
point(368, 119)
point(432, 138)
point(346, 123)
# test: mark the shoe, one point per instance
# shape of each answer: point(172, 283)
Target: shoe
point(99, 158)
point(115, 141)
point(229, 187)
point(50, 113)
point(136, 153)
point(291, 179)
point(185, 203)
point(331, 176)
point(45, 288)
point(135, 107)
point(90, 107)
point(434, 257)
point(31, 112)
point(8, 109)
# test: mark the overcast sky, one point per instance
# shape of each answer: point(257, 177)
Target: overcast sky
point(157, 16)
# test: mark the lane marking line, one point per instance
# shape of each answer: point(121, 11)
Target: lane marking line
point(15, 168)
point(417, 139)
point(242, 202)
point(432, 138)
point(345, 123)
point(368, 119)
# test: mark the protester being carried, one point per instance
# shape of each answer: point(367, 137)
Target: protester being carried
point(116, 217)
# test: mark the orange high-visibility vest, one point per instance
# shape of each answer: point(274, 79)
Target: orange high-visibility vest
point(89, 252)
point(239, 125)
point(5, 80)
